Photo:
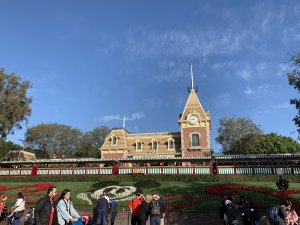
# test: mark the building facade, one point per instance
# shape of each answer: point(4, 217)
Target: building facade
point(193, 140)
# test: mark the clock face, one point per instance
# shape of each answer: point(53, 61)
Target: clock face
point(193, 119)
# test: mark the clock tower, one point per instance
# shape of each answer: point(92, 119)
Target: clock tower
point(195, 127)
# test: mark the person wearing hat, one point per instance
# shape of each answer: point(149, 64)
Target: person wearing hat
point(134, 206)
point(156, 210)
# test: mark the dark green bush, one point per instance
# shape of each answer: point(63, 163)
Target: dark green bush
point(293, 178)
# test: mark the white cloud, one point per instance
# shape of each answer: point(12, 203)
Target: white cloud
point(224, 65)
point(260, 67)
point(245, 74)
point(283, 69)
point(248, 91)
point(134, 116)
point(261, 89)
point(225, 98)
point(111, 117)
point(185, 43)
point(282, 106)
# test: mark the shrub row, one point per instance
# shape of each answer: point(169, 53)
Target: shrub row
point(292, 178)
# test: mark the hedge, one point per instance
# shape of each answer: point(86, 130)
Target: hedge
point(292, 178)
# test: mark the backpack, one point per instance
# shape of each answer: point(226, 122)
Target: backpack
point(29, 218)
point(231, 212)
point(271, 214)
point(155, 209)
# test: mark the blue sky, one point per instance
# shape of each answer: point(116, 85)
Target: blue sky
point(91, 62)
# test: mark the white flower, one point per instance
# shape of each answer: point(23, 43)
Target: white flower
point(119, 193)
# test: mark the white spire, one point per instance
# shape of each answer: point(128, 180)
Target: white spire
point(192, 76)
point(124, 122)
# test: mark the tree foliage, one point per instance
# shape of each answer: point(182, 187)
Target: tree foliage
point(265, 144)
point(232, 129)
point(14, 103)
point(92, 141)
point(56, 139)
point(6, 146)
point(294, 80)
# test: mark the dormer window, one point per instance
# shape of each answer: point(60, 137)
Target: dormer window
point(113, 140)
point(154, 144)
point(138, 145)
point(171, 144)
point(195, 140)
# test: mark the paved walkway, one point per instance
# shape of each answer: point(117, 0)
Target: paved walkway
point(123, 218)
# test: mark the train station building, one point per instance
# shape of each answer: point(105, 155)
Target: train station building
point(193, 139)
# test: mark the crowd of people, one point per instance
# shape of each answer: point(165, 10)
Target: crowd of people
point(50, 210)
point(142, 208)
point(245, 213)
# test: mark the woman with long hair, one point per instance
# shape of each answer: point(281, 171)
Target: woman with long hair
point(66, 212)
point(18, 209)
point(3, 200)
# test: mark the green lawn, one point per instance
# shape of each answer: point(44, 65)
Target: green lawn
point(166, 189)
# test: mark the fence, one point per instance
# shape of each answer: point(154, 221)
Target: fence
point(153, 170)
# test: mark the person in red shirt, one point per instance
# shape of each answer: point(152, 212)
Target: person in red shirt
point(134, 206)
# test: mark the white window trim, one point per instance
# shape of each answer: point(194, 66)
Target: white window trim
point(152, 142)
point(111, 143)
point(171, 140)
point(136, 144)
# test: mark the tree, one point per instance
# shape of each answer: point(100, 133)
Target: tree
point(57, 140)
point(92, 141)
point(5, 147)
point(232, 129)
point(265, 144)
point(294, 80)
point(14, 103)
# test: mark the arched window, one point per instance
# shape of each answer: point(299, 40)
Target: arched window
point(195, 140)
point(154, 144)
point(138, 145)
point(113, 140)
point(171, 144)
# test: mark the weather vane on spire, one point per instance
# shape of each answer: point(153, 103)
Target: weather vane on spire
point(124, 122)
point(192, 78)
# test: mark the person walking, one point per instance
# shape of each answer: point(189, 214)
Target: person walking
point(145, 209)
point(222, 210)
point(113, 211)
point(231, 212)
point(18, 209)
point(101, 210)
point(66, 212)
point(44, 208)
point(134, 206)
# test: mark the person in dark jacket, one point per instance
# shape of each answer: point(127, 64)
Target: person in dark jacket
point(222, 209)
point(44, 209)
point(113, 211)
point(101, 210)
point(277, 214)
point(145, 209)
